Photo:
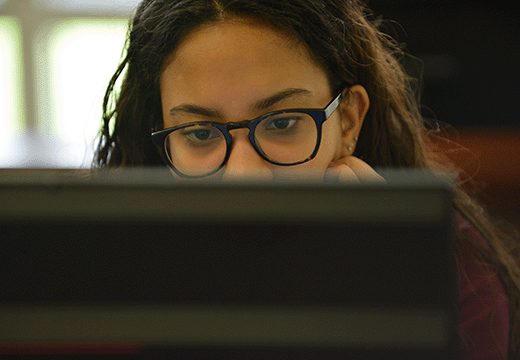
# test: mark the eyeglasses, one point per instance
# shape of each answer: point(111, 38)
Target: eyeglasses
point(284, 138)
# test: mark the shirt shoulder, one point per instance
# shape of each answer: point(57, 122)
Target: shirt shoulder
point(483, 304)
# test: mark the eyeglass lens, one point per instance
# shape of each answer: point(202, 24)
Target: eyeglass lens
point(285, 138)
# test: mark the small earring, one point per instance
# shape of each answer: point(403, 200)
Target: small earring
point(351, 146)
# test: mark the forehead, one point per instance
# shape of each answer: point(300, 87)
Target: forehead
point(245, 33)
point(239, 51)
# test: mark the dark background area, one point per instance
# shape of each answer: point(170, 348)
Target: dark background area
point(471, 55)
point(469, 51)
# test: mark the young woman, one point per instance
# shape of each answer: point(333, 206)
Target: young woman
point(234, 88)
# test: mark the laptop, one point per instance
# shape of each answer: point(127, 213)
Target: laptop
point(130, 263)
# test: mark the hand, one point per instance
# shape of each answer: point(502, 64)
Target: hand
point(352, 169)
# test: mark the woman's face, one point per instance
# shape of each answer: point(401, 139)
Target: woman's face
point(236, 70)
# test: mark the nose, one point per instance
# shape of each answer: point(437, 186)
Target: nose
point(244, 162)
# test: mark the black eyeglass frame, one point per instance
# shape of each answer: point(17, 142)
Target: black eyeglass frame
point(318, 115)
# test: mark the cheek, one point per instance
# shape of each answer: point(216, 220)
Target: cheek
point(331, 141)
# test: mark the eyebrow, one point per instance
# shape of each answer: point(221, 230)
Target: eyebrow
point(259, 105)
point(280, 96)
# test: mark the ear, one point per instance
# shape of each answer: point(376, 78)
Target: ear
point(353, 111)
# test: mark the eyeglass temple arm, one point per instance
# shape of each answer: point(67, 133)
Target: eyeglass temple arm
point(333, 106)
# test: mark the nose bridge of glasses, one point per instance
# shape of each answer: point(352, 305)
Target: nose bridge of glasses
point(238, 125)
point(246, 124)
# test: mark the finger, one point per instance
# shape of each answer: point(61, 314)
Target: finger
point(342, 173)
point(362, 170)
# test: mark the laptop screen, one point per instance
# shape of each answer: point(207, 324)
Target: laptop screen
point(285, 269)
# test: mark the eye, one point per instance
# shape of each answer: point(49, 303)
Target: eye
point(200, 135)
point(281, 123)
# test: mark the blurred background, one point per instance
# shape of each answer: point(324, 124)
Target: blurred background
point(469, 59)
point(56, 57)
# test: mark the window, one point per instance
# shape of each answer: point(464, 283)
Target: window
point(80, 57)
point(11, 85)
point(56, 58)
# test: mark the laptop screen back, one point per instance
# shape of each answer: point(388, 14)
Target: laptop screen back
point(283, 270)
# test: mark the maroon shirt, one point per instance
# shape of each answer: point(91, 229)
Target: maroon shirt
point(483, 305)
